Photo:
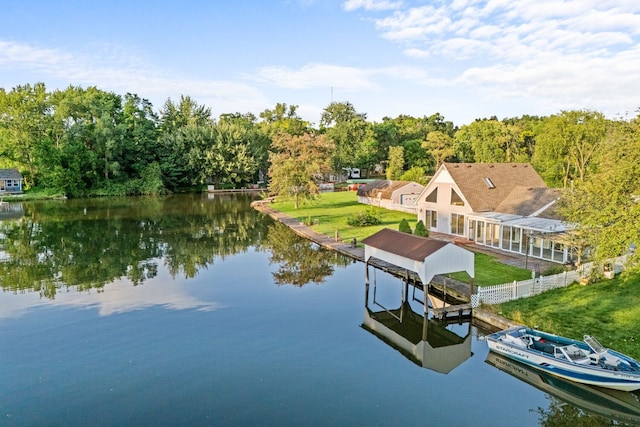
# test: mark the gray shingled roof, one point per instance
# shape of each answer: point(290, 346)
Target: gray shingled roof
point(10, 174)
point(406, 245)
point(526, 201)
point(506, 178)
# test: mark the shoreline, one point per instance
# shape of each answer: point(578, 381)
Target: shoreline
point(357, 253)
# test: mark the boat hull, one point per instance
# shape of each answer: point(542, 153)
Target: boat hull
point(585, 374)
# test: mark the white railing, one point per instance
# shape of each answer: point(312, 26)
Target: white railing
point(526, 288)
point(511, 291)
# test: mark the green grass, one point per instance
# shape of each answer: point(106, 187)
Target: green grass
point(489, 271)
point(608, 310)
point(329, 213)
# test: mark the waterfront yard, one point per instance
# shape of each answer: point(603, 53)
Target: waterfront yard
point(608, 310)
point(329, 212)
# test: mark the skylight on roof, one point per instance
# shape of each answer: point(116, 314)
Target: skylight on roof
point(489, 183)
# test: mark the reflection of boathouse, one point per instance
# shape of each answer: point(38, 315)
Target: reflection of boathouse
point(10, 210)
point(427, 343)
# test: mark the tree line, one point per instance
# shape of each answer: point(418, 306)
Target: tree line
point(86, 142)
point(83, 142)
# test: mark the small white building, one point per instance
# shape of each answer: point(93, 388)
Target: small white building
point(393, 195)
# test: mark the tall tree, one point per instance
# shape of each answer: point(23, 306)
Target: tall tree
point(396, 163)
point(566, 144)
point(220, 154)
point(186, 112)
point(483, 141)
point(25, 127)
point(350, 133)
point(283, 119)
point(440, 146)
point(297, 164)
point(605, 206)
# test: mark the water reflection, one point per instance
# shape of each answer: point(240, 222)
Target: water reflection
point(299, 260)
point(116, 297)
point(588, 405)
point(433, 344)
point(89, 243)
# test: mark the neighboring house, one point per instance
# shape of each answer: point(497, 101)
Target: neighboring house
point(506, 206)
point(10, 181)
point(394, 195)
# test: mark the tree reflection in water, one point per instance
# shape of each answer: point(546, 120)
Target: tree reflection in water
point(299, 260)
point(88, 243)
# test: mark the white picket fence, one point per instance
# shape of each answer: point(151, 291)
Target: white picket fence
point(526, 288)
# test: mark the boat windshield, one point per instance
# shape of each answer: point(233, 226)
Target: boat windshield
point(594, 344)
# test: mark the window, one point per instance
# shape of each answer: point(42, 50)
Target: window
point(480, 232)
point(489, 183)
point(457, 224)
point(456, 200)
point(431, 219)
point(432, 197)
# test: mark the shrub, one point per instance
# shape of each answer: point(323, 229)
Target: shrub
point(367, 217)
point(421, 230)
point(404, 226)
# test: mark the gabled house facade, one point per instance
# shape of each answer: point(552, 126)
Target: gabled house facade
point(506, 206)
point(10, 181)
point(394, 195)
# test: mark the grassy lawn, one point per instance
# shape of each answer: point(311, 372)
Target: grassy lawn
point(489, 271)
point(331, 211)
point(608, 310)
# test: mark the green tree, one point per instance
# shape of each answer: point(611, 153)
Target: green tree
point(440, 146)
point(566, 145)
point(421, 230)
point(283, 119)
point(483, 141)
point(25, 128)
point(220, 154)
point(415, 174)
point(297, 164)
point(605, 206)
point(404, 226)
point(186, 112)
point(351, 135)
point(396, 163)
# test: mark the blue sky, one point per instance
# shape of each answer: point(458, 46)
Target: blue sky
point(464, 59)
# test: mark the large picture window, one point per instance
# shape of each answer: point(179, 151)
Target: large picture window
point(457, 224)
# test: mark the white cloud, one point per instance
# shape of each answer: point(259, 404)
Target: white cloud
point(351, 5)
point(119, 296)
point(316, 76)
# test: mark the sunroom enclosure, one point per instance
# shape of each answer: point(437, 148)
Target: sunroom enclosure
point(535, 237)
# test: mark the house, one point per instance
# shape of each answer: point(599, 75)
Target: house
point(394, 195)
point(10, 181)
point(506, 206)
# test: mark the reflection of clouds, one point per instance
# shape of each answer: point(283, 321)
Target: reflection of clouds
point(117, 297)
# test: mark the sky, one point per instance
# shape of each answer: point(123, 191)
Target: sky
point(463, 59)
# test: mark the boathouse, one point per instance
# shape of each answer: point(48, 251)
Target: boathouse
point(424, 256)
point(10, 181)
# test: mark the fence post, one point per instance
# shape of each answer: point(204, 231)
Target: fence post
point(514, 290)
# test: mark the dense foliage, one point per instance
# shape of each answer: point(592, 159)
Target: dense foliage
point(86, 141)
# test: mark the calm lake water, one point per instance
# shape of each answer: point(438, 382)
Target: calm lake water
point(197, 310)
